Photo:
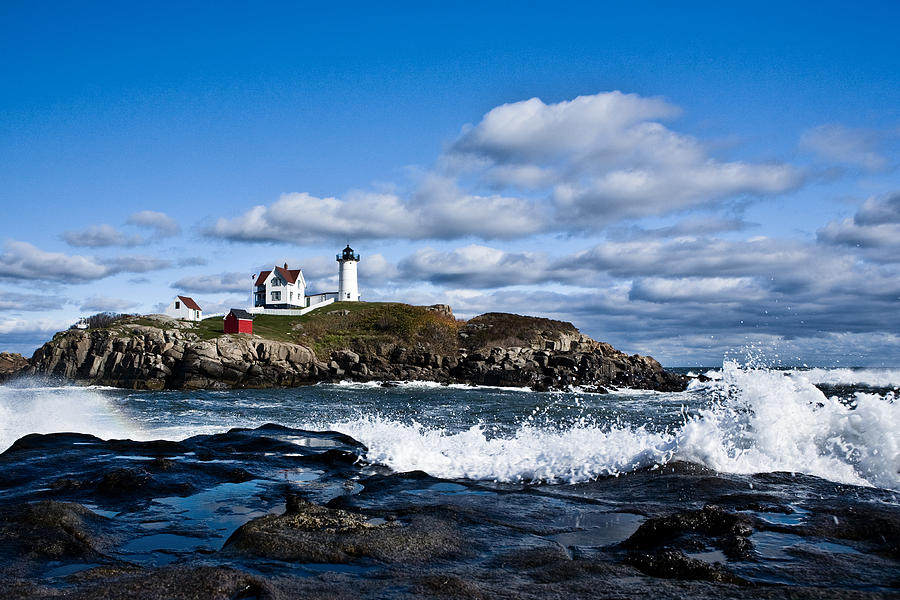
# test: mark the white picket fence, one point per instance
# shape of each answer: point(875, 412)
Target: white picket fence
point(289, 312)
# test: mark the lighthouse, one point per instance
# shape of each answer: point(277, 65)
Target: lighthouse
point(348, 291)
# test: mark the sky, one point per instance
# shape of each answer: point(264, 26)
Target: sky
point(696, 181)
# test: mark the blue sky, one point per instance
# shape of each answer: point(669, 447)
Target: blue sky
point(687, 180)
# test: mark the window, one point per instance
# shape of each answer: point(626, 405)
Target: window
point(276, 295)
point(276, 282)
point(177, 305)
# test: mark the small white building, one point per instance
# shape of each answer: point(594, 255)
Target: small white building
point(184, 307)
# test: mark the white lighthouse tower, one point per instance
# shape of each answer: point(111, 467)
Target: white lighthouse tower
point(348, 291)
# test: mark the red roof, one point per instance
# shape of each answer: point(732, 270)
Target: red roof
point(289, 275)
point(189, 302)
point(261, 280)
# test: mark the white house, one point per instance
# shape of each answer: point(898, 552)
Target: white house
point(282, 288)
point(184, 307)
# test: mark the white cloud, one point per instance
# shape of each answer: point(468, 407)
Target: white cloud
point(475, 266)
point(21, 260)
point(106, 304)
point(572, 166)
point(874, 229)
point(135, 264)
point(531, 131)
point(438, 211)
point(18, 302)
point(697, 289)
point(162, 224)
point(220, 282)
point(860, 147)
point(879, 210)
point(97, 236)
point(604, 160)
point(32, 326)
point(632, 194)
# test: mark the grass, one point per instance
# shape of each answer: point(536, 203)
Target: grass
point(370, 327)
point(505, 330)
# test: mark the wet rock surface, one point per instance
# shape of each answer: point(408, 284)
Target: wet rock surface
point(275, 512)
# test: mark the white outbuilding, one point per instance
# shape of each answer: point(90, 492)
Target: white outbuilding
point(184, 307)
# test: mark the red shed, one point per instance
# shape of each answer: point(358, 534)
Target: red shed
point(238, 321)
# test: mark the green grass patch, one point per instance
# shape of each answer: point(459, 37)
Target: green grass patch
point(372, 327)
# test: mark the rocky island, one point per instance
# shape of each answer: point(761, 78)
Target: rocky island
point(346, 341)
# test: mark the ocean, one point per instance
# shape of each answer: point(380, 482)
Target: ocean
point(780, 448)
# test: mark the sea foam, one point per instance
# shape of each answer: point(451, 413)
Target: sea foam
point(759, 420)
point(29, 407)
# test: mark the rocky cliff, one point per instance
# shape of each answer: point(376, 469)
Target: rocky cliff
point(12, 365)
point(386, 342)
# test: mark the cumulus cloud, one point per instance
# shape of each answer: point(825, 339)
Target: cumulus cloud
point(162, 224)
point(529, 167)
point(106, 304)
point(670, 297)
point(19, 302)
point(192, 261)
point(636, 193)
point(97, 236)
point(210, 284)
point(21, 260)
point(859, 147)
point(697, 289)
point(135, 264)
point(604, 159)
point(438, 210)
point(684, 228)
point(588, 126)
point(706, 257)
point(475, 266)
point(874, 229)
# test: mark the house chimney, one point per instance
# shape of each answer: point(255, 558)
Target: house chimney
point(285, 266)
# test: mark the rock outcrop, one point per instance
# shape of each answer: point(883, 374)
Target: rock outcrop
point(493, 349)
point(167, 357)
point(12, 365)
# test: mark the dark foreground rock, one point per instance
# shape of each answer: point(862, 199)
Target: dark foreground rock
point(278, 513)
point(310, 533)
point(52, 530)
point(498, 349)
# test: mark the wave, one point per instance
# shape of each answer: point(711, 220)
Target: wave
point(745, 420)
point(420, 385)
point(758, 421)
point(875, 378)
point(31, 408)
point(880, 378)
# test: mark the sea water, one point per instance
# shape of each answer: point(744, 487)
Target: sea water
point(740, 420)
